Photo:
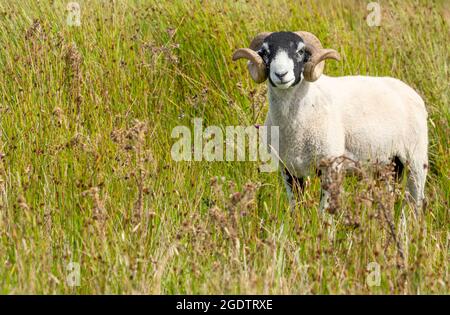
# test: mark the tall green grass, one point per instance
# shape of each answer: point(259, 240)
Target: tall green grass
point(86, 175)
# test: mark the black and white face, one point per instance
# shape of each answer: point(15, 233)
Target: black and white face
point(285, 55)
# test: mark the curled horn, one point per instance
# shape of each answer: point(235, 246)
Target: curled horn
point(314, 67)
point(256, 65)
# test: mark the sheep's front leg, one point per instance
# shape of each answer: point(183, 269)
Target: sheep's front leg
point(294, 187)
point(330, 182)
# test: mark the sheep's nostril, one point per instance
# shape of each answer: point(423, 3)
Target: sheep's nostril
point(281, 75)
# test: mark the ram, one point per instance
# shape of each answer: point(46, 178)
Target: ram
point(361, 118)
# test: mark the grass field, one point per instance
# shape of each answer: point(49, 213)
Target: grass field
point(87, 179)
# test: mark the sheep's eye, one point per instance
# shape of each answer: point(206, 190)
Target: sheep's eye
point(264, 50)
point(301, 49)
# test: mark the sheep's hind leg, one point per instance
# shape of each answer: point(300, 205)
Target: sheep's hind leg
point(294, 187)
point(330, 175)
point(330, 182)
point(416, 185)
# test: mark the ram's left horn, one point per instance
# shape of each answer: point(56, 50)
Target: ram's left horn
point(314, 67)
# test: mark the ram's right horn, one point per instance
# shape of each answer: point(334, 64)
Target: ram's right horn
point(256, 65)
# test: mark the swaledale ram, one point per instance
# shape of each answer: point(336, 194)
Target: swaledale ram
point(360, 118)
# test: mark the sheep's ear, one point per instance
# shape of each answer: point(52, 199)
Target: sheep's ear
point(307, 56)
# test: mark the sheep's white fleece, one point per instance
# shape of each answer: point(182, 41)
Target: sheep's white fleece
point(361, 117)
